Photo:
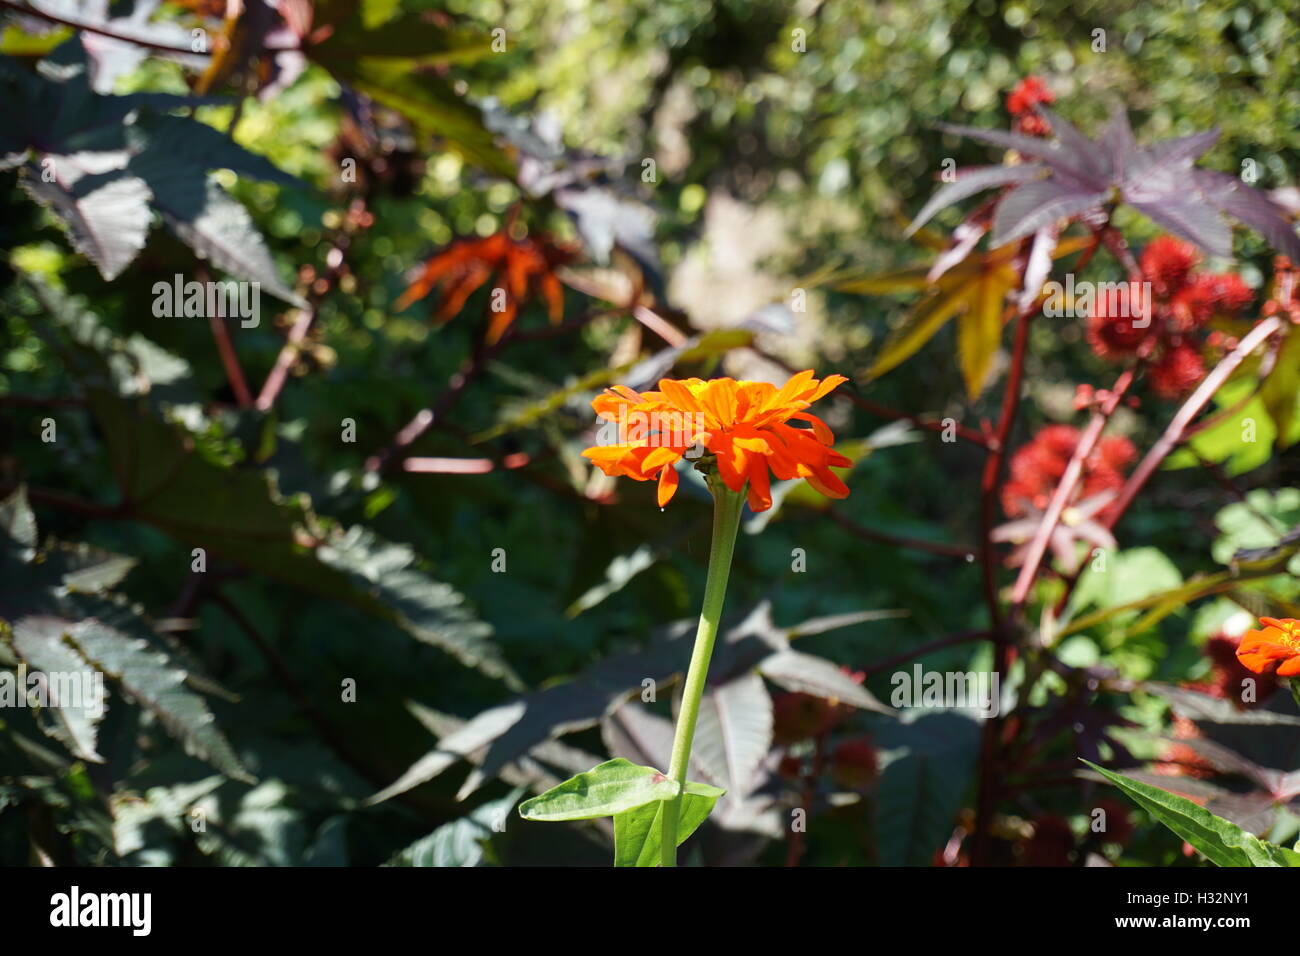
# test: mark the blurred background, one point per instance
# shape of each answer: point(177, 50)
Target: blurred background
point(690, 187)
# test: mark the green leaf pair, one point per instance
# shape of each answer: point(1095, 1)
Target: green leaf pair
point(1219, 841)
point(634, 796)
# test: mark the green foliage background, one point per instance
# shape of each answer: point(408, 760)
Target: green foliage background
point(773, 165)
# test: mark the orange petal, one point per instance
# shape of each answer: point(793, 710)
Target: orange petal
point(679, 395)
point(1256, 653)
point(667, 484)
point(1289, 668)
point(760, 486)
point(828, 483)
point(819, 427)
point(828, 385)
point(660, 456)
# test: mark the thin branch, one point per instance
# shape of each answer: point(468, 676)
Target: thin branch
point(42, 401)
point(1004, 652)
point(279, 373)
point(464, 466)
point(963, 432)
point(916, 544)
point(471, 369)
point(28, 11)
point(884, 411)
point(230, 360)
point(424, 419)
point(962, 637)
point(1174, 434)
point(1065, 489)
point(658, 325)
point(1177, 428)
point(56, 499)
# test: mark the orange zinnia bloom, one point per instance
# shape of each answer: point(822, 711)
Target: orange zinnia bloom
point(743, 424)
point(1278, 643)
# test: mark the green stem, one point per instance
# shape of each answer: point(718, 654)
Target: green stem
point(727, 507)
point(1294, 683)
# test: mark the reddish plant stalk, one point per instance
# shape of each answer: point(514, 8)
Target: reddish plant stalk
point(1065, 490)
point(279, 373)
point(1003, 648)
point(1173, 434)
point(30, 11)
point(916, 544)
point(230, 360)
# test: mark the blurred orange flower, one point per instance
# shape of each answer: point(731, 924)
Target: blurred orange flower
point(1277, 643)
point(743, 424)
point(520, 267)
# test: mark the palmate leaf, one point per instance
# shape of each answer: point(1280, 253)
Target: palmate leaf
point(1081, 175)
point(106, 220)
point(222, 232)
point(60, 621)
point(513, 729)
point(388, 575)
point(39, 640)
point(807, 674)
point(380, 50)
point(540, 769)
point(1239, 407)
point(238, 514)
point(496, 738)
point(974, 291)
point(372, 28)
point(1198, 706)
point(968, 183)
point(1263, 521)
point(1221, 842)
point(155, 682)
point(734, 731)
point(925, 772)
point(923, 323)
point(104, 163)
point(430, 103)
point(460, 842)
point(979, 328)
point(1038, 204)
point(111, 58)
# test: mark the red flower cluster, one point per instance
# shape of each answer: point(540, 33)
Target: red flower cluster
point(1181, 760)
point(798, 716)
point(1021, 102)
point(1182, 302)
point(1036, 468)
point(855, 763)
point(1228, 673)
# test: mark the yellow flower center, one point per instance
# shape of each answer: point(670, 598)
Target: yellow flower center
point(1288, 633)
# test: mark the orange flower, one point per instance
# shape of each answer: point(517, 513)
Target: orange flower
point(743, 424)
point(520, 266)
point(1278, 643)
